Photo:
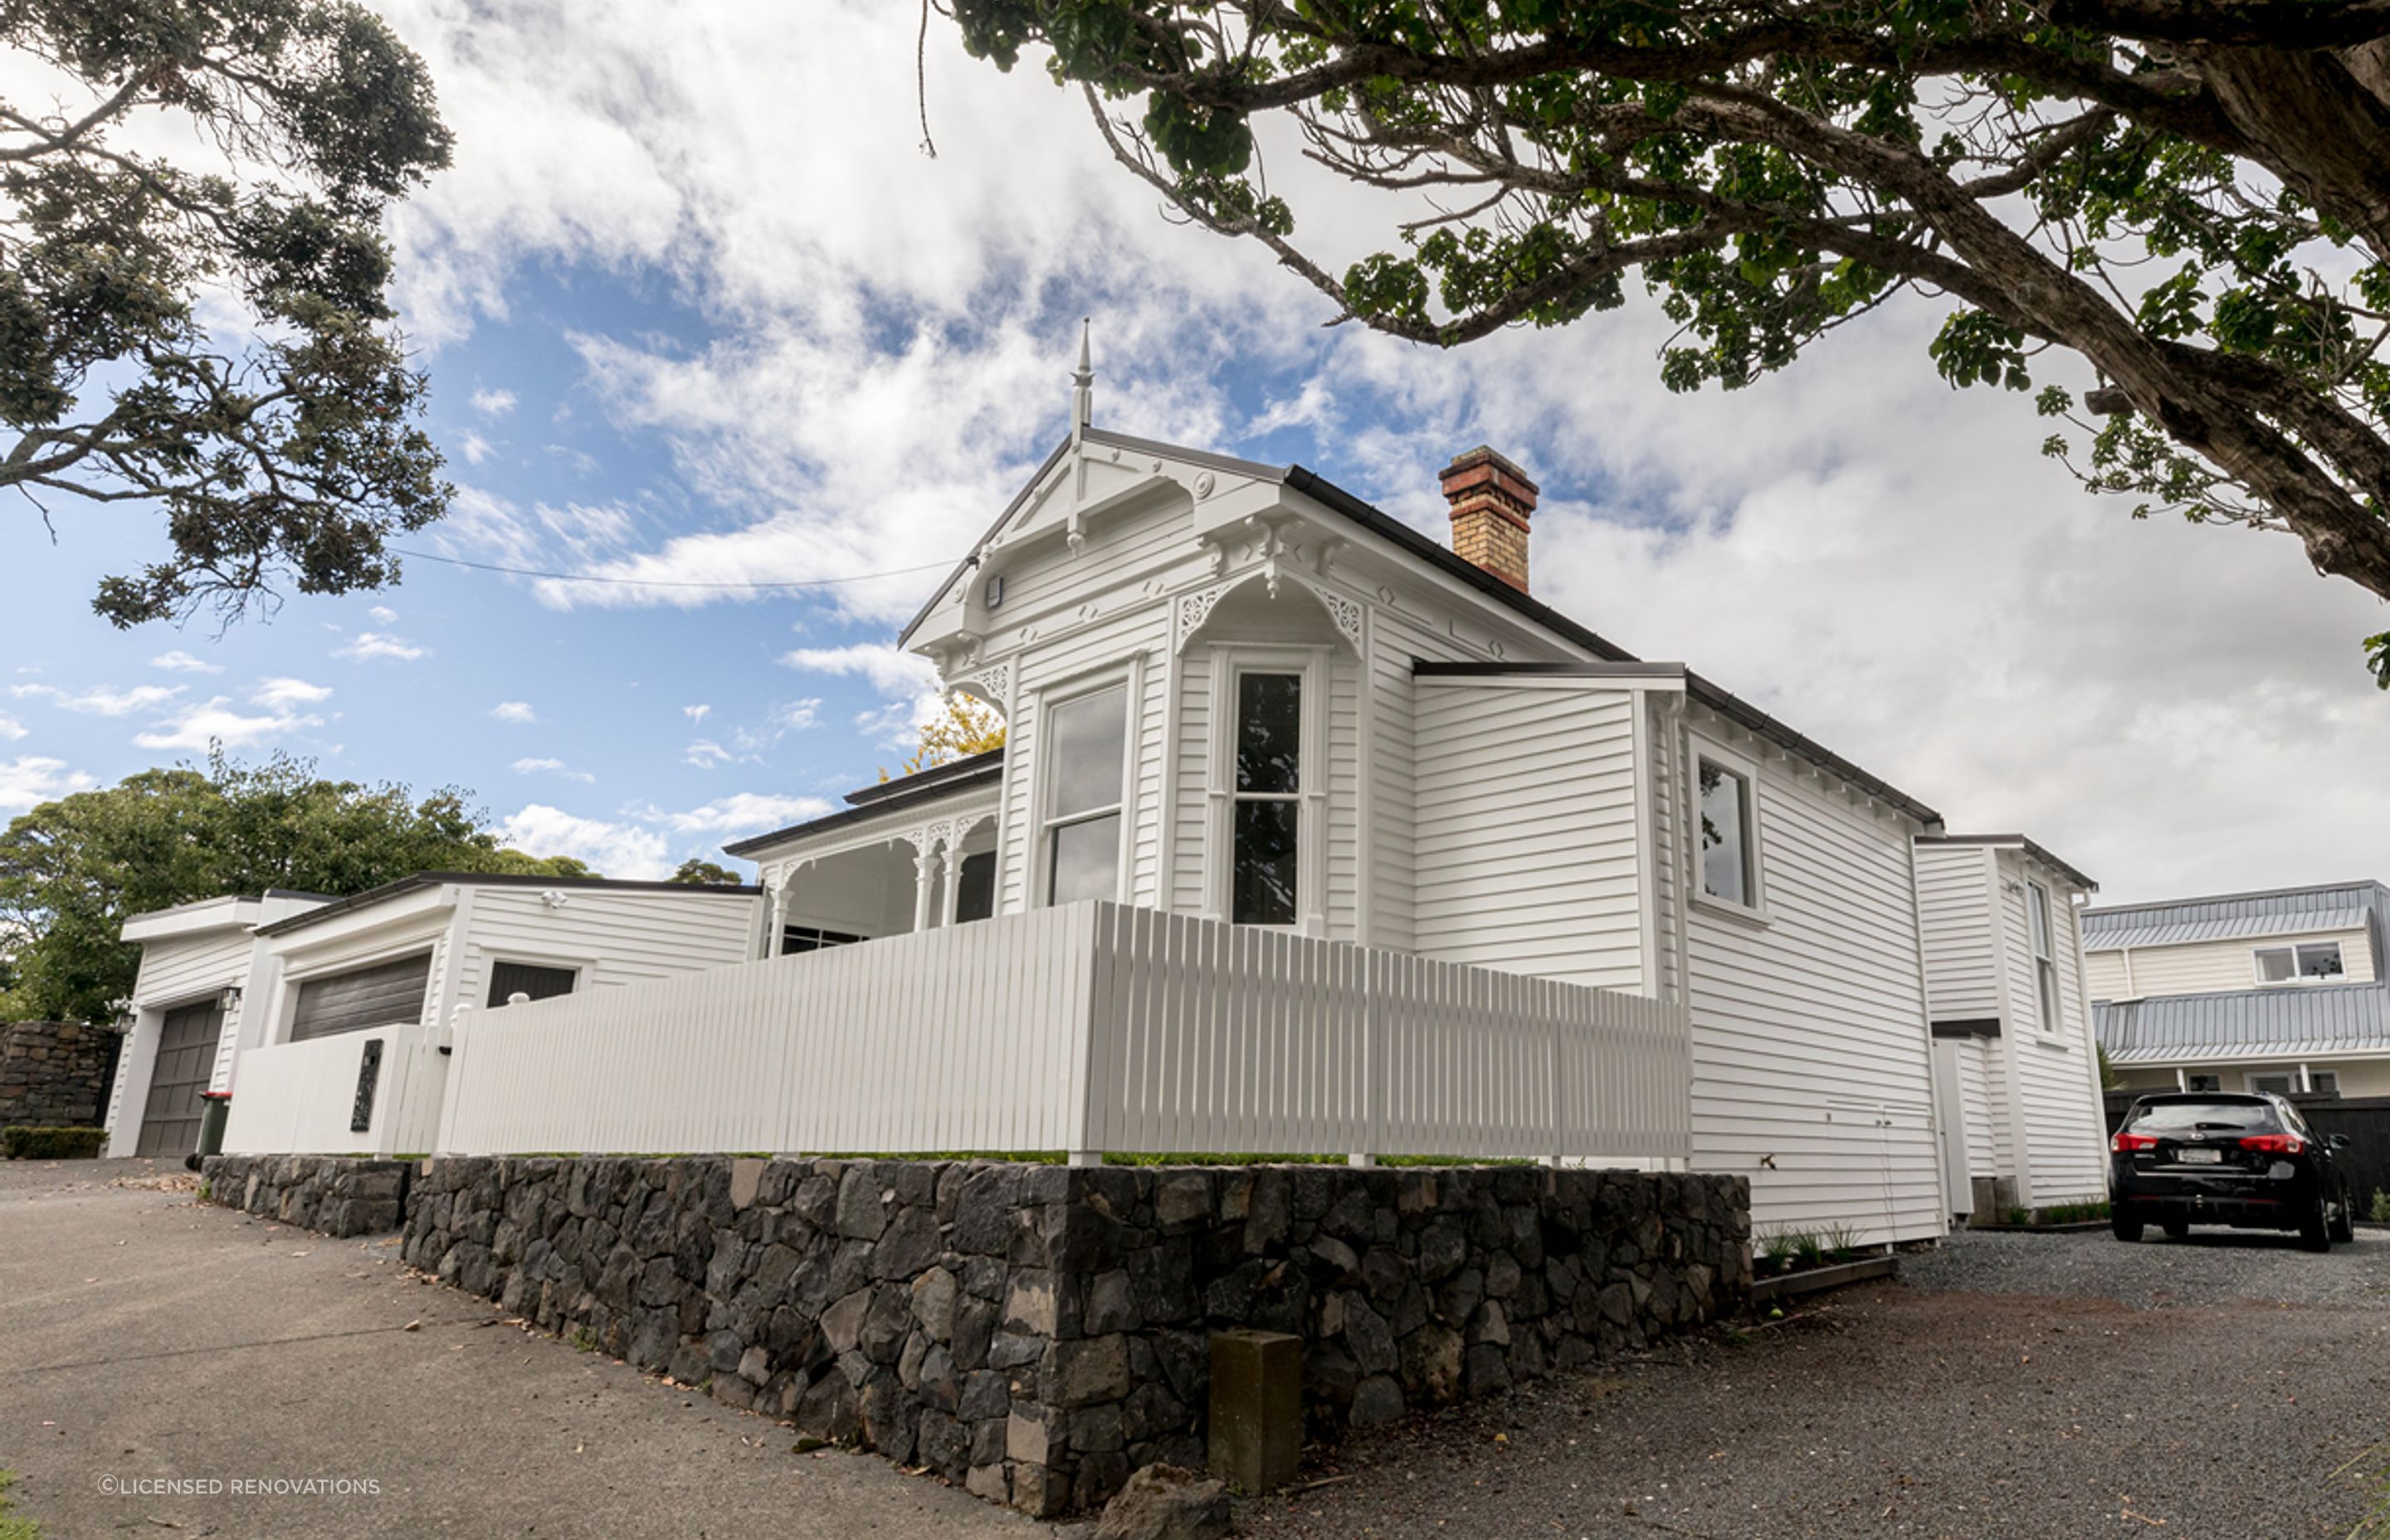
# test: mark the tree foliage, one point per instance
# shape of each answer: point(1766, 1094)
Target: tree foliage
point(2192, 195)
point(72, 870)
point(281, 439)
point(962, 727)
point(697, 872)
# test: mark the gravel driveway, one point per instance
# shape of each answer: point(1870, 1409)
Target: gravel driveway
point(2013, 1386)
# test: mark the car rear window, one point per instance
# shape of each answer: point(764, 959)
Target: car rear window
point(2257, 1116)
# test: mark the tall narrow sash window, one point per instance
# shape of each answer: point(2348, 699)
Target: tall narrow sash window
point(1085, 740)
point(1268, 796)
point(2045, 955)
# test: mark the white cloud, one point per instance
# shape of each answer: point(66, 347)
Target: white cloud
point(284, 691)
point(475, 448)
point(29, 781)
point(551, 767)
point(706, 754)
point(179, 661)
point(615, 849)
point(369, 645)
point(100, 701)
point(891, 671)
point(695, 713)
point(383, 614)
point(12, 728)
point(494, 404)
point(213, 722)
point(514, 710)
point(745, 813)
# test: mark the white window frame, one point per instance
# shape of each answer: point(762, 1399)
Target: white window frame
point(1699, 748)
point(2217, 1089)
point(1231, 661)
point(2041, 947)
point(1129, 679)
point(2250, 1078)
point(2258, 969)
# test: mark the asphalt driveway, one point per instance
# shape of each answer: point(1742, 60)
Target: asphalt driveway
point(2033, 1386)
point(156, 1355)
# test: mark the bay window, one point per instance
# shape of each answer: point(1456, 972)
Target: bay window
point(1086, 739)
point(1264, 874)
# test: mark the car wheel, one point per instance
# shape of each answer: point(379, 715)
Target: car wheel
point(2125, 1229)
point(2343, 1226)
point(2176, 1230)
point(2315, 1228)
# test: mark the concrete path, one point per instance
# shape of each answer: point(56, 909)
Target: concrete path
point(145, 1339)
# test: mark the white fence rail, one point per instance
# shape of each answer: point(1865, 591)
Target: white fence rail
point(301, 1097)
point(1087, 1027)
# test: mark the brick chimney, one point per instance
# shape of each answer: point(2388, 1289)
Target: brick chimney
point(1492, 500)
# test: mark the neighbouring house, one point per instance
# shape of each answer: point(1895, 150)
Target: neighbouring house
point(184, 1011)
point(2016, 1078)
point(259, 997)
point(2278, 991)
point(1236, 692)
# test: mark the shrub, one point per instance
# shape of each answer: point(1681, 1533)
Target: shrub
point(2382, 1206)
point(51, 1144)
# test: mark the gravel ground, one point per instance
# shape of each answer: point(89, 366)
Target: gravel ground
point(2205, 1267)
point(2016, 1386)
point(43, 1178)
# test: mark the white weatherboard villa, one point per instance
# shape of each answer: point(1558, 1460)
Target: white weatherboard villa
point(1313, 836)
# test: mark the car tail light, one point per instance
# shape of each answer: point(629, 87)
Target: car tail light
point(2275, 1144)
point(2125, 1143)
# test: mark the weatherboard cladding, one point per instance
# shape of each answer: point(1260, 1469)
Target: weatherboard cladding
point(2312, 1022)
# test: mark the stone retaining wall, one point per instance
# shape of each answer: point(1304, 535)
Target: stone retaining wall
point(1036, 1334)
point(53, 1074)
point(336, 1194)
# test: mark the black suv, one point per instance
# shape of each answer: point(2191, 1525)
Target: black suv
point(2251, 1162)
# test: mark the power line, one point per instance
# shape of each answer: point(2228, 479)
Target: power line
point(663, 583)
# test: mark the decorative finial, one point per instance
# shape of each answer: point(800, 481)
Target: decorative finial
point(1083, 384)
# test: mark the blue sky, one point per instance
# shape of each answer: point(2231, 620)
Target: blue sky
point(697, 309)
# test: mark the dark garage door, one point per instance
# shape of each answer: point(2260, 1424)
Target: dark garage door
point(378, 997)
point(186, 1057)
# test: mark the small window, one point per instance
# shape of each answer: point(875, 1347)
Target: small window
point(2202, 1083)
point(2305, 963)
point(812, 938)
point(2045, 960)
point(2324, 1083)
point(2273, 1086)
point(1085, 741)
point(1263, 887)
point(1728, 872)
point(510, 978)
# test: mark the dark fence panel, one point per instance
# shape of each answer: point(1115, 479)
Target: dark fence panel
point(2366, 1121)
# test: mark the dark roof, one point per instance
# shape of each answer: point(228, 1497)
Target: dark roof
point(887, 796)
point(1395, 531)
point(2005, 841)
point(495, 879)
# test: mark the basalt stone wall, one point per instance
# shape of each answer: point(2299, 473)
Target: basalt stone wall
point(336, 1194)
point(53, 1074)
point(1036, 1334)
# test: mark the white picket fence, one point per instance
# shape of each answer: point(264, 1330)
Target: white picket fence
point(1089, 1028)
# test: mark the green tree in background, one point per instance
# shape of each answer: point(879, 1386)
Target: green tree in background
point(282, 445)
point(2192, 197)
point(699, 872)
point(72, 870)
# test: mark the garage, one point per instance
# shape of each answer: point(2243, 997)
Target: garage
point(186, 1058)
point(361, 998)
